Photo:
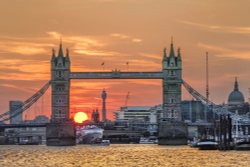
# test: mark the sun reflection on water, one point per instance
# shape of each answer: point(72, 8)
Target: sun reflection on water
point(118, 155)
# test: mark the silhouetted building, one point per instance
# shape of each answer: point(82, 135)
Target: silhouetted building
point(236, 101)
point(236, 97)
point(104, 96)
point(157, 112)
point(192, 111)
point(95, 116)
point(16, 115)
point(132, 113)
point(41, 119)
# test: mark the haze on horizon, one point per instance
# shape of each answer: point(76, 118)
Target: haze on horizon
point(116, 32)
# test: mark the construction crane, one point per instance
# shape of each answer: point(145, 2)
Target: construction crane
point(126, 99)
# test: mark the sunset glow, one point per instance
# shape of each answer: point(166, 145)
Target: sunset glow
point(80, 117)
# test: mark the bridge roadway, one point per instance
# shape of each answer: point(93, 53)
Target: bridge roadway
point(3, 126)
point(116, 75)
point(22, 125)
point(121, 132)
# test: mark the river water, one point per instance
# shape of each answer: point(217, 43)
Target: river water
point(130, 155)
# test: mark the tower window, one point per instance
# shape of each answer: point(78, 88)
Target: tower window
point(172, 73)
point(60, 87)
point(59, 73)
point(172, 113)
point(172, 100)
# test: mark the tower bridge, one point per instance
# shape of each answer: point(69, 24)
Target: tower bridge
point(61, 75)
point(171, 76)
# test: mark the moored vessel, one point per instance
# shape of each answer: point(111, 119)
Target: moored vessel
point(242, 144)
point(89, 134)
point(207, 144)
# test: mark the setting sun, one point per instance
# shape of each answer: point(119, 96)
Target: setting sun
point(80, 117)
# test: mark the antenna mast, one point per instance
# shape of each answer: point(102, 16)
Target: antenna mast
point(207, 86)
point(207, 83)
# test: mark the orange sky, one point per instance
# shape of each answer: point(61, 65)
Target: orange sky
point(117, 31)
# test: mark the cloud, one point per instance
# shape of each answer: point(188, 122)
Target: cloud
point(22, 47)
point(93, 52)
point(151, 56)
point(14, 69)
point(137, 64)
point(85, 45)
point(126, 37)
point(219, 28)
point(121, 36)
point(136, 40)
point(16, 87)
point(226, 52)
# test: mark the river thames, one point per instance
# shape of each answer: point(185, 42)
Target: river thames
point(130, 155)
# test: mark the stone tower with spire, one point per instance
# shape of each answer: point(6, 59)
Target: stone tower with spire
point(60, 86)
point(172, 80)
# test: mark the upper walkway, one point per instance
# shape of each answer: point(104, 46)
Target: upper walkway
point(116, 75)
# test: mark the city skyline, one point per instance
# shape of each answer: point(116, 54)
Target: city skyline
point(134, 32)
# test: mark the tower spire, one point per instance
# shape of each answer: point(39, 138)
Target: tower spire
point(67, 54)
point(179, 53)
point(164, 54)
point(236, 86)
point(53, 54)
point(171, 54)
point(60, 52)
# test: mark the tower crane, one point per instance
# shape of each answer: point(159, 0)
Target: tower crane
point(126, 99)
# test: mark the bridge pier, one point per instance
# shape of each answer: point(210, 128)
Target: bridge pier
point(172, 132)
point(60, 134)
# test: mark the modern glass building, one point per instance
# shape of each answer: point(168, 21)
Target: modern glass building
point(13, 106)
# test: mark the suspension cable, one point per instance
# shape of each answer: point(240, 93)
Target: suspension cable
point(26, 104)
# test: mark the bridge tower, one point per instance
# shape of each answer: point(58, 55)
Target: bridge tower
point(60, 131)
point(60, 85)
point(172, 80)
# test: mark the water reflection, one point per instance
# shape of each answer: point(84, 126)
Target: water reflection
point(118, 155)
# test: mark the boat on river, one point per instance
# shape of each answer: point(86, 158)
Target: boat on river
point(89, 134)
point(207, 144)
point(243, 144)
